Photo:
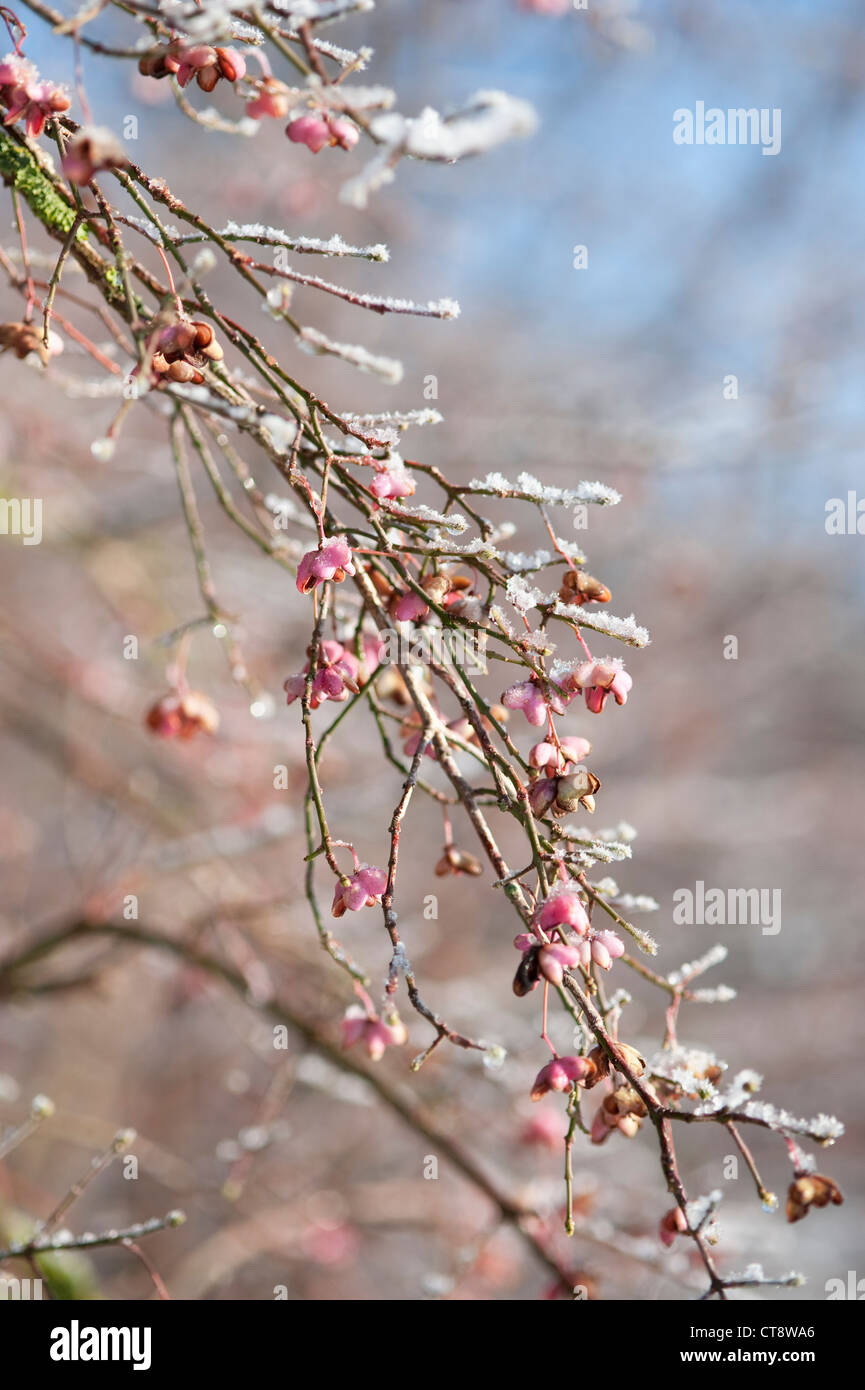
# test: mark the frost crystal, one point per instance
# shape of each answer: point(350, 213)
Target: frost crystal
point(714, 956)
point(628, 903)
point(489, 119)
point(524, 596)
point(626, 629)
point(517, 560)
point(531, 490)
point(388, 368)
point(701, 1208)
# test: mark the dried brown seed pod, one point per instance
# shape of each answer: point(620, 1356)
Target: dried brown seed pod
point(437, 586)
point(528, 973)
point(575, 789)
point(811, 1190)
point(579, 588)
point(601, 1063)
point(629, 1057)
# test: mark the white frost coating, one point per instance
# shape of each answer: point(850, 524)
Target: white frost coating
point(721, 994)
point(754, 1274)
point(282, 432)
point(333, 246)
point(691, 1061)
point(603, 844)
point(628, 903)
point(524, 596)
point(518, 560)
point(345, 98)
point(437, 544)
point(388, 368)
point(571, 549)
point(714, 956)
point(531, 490)
point(373, 176)
point(822, 1127)
point(488, 120)
point(402, 419)
point(700, 1209)
point(434, 308)
point(625, 629)
point(455, 522)
point(320, 9)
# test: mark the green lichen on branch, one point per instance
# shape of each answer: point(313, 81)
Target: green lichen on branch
point(22, 169)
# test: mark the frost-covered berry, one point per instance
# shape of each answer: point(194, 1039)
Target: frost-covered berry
point(332, 560)
point(535, 705)
point(563, 908)
point(597, 680)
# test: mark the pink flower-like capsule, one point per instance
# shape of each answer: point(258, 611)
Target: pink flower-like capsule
point(408, 608)
point(598, 680)
point(32, 99)
point(392, 482)
point(605, 948)
point(672, 1224)
point(312, 131)
point(273, 100)
point(364, 889)
point(543, 1129)
point(332, 560)
point(374, 651)
point(554, 960)
point(207, 65)
point(560, 1075)
point(343, 132)
point(547, 757)
point(528, 696)
point(336, 676)
point(16, 71)
point(546, 6)
point(375, 1033)
point(563, 908)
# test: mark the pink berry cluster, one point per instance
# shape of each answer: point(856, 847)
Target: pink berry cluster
point(594, 680)
point(186, 61)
